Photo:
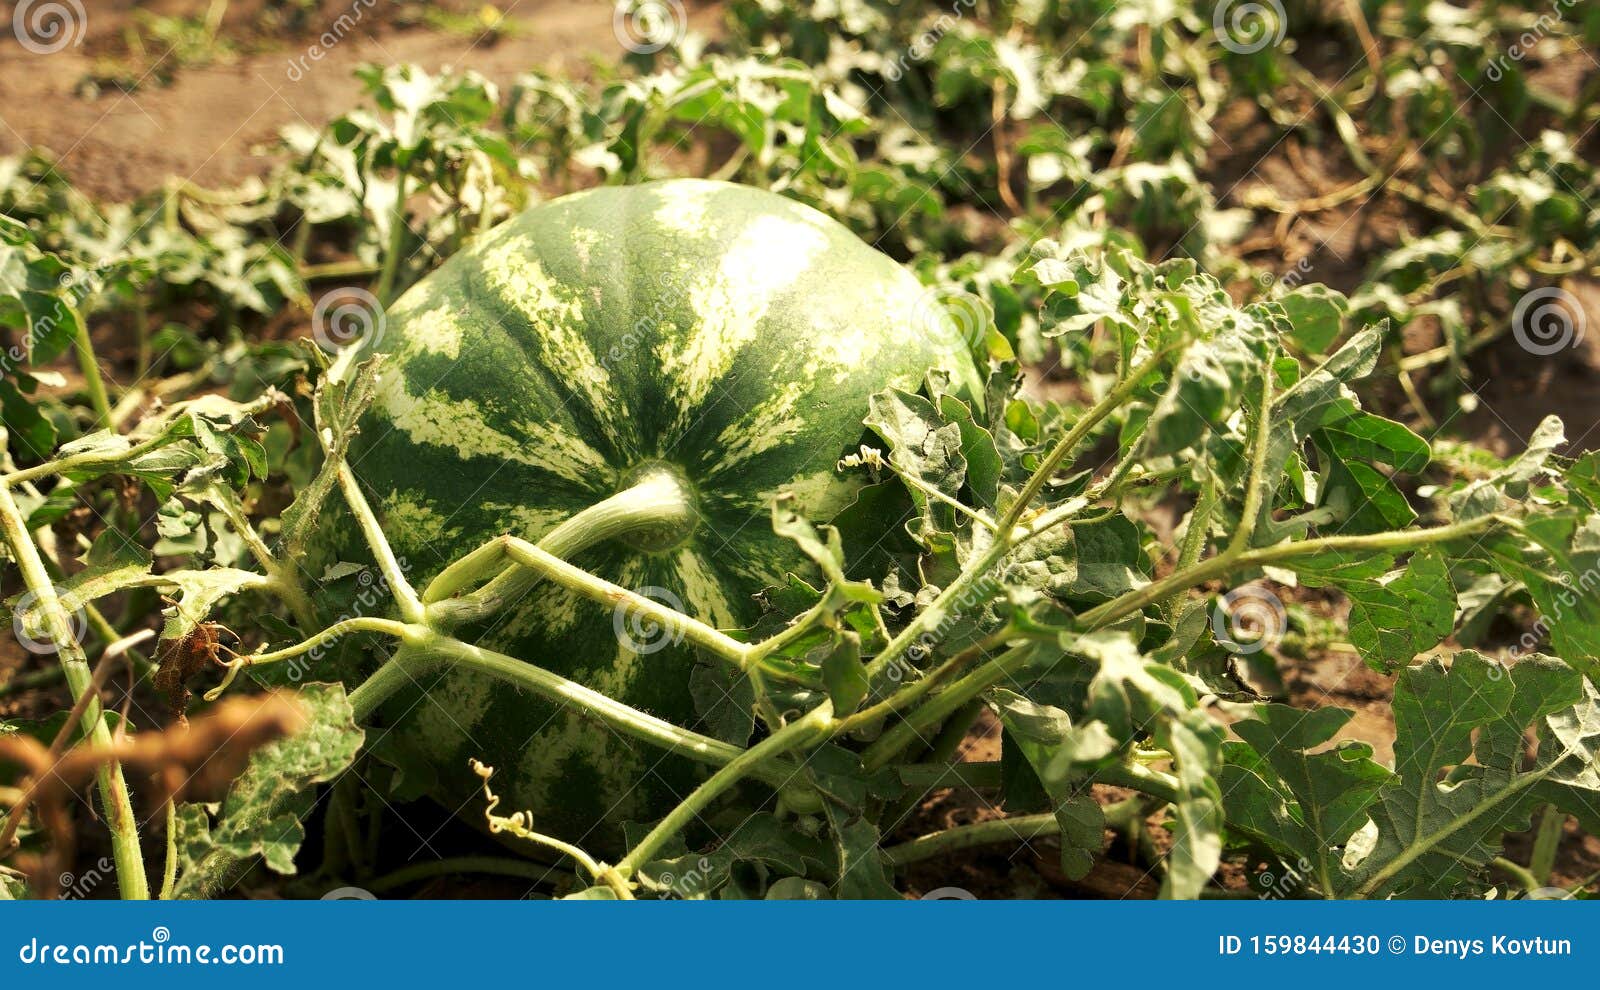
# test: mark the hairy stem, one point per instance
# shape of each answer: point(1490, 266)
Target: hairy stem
point(405, 596)
point(658, 504)
point(397, 243)
point(169, 871)
point(1522, 874)
point(1546, 843)
point(113, 787)
point(425, 651)
point(1254, 493)
point(944, 704)
point(810, 728)
point(1023, 828)
point(96, 461)
point(93, 383)
point(926, 624)
point(892, 742)
point(85, 461)
point(939, 752)
point(928, 777)
point(285, 580)
point(577, 579)
point(1223, 563)
point(1194, 538)
point(1080, 431)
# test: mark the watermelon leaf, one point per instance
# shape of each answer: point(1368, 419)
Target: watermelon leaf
point(263, 811)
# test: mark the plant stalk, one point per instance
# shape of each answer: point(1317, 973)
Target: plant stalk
point(1024, 828)
point(405, 596)
point(285, 582)
point(943, 705)
point(425, 651)
point(814, 726)
point(113, 787)
point(659, 503)
point(1214, 567)
point(1546, 844)
point(397, 242)
point(93, 383)
point(1111, 402)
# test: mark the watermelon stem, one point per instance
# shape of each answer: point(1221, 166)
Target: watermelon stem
point(1155, 783)
point(405, 596)
point(811, 728)
point(545, 564)
point(658, 507)
point(345, 627)
point(425, 651)
point(955, 596)
point(397, 242)
point(94, 384)
point(944, 704)
point(967, 590)
point(880, 753)
point(283, 574)
point(1111, 402)
point(1015, 828)
point(95, 724)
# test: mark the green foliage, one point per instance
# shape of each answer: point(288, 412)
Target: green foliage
point(261, 814)
point(1053, 172)
point(1429, 826)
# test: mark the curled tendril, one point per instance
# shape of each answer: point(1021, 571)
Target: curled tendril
point(519, 823)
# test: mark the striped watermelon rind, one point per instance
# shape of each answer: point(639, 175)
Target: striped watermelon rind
point(723, 333)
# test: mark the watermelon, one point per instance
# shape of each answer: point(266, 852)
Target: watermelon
point(723, 334)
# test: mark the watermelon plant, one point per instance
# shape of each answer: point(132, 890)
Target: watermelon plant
point(675, 535)
point(974, 562)
point(629, 375)
point(1007, 576)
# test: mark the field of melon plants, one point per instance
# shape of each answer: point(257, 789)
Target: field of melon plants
point(800, 450)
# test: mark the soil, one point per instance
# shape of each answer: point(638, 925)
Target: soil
point(208, 122)
point(122, 123)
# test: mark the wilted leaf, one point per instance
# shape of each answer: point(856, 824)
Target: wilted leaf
point(262, 813)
